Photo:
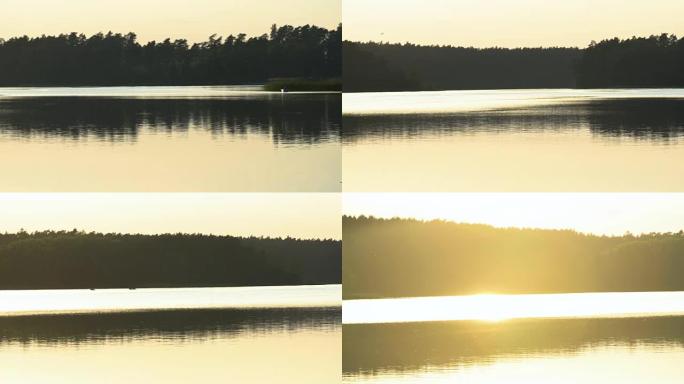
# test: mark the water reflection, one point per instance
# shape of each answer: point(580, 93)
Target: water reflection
point(53, 301)
point(427, 102)
point(296, 345)
point(238, 141)
point(529, 350)
point(567, 144)
point(145, 91)
point(291, 119)
point(173, 325)
point(502, 307)
point(658, 120)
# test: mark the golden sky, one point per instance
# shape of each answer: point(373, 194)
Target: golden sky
point(158, 19)
point(599, 213)
point(302, 215)
point(508, 23)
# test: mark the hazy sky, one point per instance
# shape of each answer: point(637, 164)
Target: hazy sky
point(303, 215)
point(508, 23)
point(158, 19)
point(600, 213)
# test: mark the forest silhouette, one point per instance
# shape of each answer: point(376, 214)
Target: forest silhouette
point(74, 59)
point(408, 257)
point(75, 259)
point(654, 61)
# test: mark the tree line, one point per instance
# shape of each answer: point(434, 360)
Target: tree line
point(407, 257)
point(654, 61)
point(76, 259)
point(120, 59)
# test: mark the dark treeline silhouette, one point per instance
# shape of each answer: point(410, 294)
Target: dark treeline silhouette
point(366, 69)
point(406, 257)
point(66, 260)
point(372, 348)
point(297, 118)
point(119, 59)
point(408, 67)
point(655, 119)
point(654, 61)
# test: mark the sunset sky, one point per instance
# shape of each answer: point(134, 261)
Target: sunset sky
point(508, 23)
point(302, 215)
point(158, 19)
point(599, 213)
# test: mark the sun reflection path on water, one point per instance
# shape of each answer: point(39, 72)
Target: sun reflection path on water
point(498, 307)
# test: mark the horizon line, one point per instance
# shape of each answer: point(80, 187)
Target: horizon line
point(84, 232)
point(217, 34)
point(462, 46)
point(522, 228)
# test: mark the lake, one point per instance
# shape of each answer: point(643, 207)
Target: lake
point(162, 139)
point(514, 140)
point(631, 337)
point(246, 335)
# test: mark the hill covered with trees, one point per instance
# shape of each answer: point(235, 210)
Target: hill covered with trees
point(75, 59)
point(654, 61)
point(406, 257)
point(66, 260)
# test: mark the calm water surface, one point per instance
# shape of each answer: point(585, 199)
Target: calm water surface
point(168, 139)
point(572, 338)
point(514, 140)
point(246, 335)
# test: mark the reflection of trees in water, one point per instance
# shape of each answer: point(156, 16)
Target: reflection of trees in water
point(290, 119)
point(176, 324)
point(369, 348)
point(660, 120)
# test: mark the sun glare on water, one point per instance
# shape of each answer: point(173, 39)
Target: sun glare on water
point(497, 307)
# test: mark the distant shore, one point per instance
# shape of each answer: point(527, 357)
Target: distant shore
point(120, 59)
point(654, 61)
point(385, 258)
point(80, 260)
